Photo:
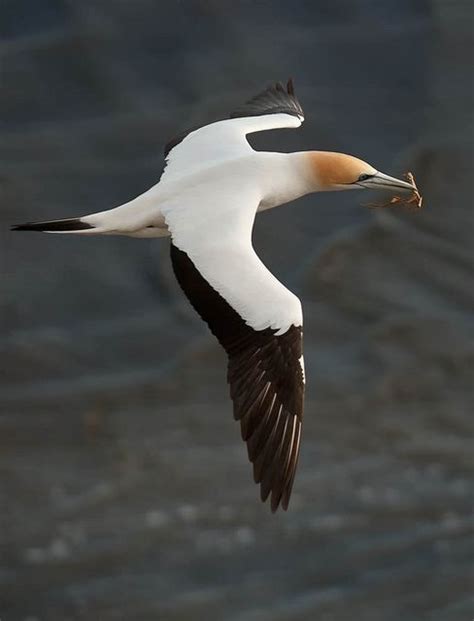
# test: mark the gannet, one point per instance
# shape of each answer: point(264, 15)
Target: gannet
point(206, 200)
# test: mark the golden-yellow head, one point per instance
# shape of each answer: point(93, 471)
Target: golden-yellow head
point(339, 171)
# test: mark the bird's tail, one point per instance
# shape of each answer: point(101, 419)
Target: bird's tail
point(69, 225)
point(139, 217)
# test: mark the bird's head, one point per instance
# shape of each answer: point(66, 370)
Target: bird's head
point(338, 171)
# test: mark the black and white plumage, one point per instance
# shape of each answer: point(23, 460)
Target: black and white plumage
point(212, 187)
point(266, 382)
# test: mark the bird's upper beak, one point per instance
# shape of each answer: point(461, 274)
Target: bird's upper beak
point(381, 181)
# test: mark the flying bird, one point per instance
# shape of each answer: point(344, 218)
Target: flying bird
point(206, 200)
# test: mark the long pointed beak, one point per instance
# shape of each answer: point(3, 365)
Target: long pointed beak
point(381, 181)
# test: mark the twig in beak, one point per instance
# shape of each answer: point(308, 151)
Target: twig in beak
point(414, 199)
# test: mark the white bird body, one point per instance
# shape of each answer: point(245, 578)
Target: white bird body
point(212, 164)
point(213, 185)
point(219, 203)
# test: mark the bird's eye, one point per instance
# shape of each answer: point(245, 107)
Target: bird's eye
point(364, 177)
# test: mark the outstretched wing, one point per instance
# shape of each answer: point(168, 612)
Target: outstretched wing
point(274, 108)
point(257, 321)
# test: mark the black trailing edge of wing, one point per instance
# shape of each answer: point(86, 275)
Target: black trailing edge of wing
point(266, 383)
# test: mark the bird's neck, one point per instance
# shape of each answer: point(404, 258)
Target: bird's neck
point(288, 176)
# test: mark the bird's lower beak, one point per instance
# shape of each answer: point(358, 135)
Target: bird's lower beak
point(380, 181)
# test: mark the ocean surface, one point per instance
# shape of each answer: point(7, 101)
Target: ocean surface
point(125, 491)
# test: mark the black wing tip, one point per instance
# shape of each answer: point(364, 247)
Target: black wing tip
point(276, 98)
point(279, 496)
point(279, 505)
point(289, 104)
point(70, 224)
point(277, 501)
point(259, 399)
point(289, 90)
point(275, 505)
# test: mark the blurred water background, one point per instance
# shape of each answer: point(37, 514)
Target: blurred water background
point(125, 491)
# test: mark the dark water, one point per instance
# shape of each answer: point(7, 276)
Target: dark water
point(125, 490)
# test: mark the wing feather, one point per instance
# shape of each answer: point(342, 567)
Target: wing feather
point(201, 147)
point(273, 100)
point(266, 382)
point(254, 317)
